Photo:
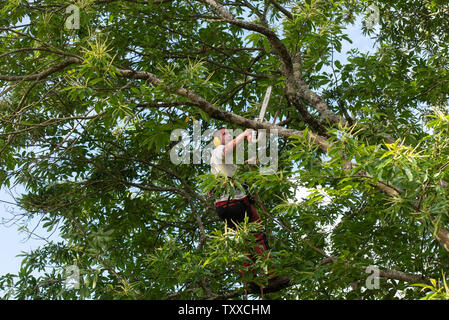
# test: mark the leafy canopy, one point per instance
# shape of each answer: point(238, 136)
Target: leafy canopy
point(86, 118)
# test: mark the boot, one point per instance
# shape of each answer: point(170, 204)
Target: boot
point(277, 283)
point(274, 284)
point(253, 287)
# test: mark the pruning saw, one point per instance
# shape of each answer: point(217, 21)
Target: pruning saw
point(262, 112)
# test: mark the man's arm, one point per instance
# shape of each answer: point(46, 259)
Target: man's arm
point(230, 146)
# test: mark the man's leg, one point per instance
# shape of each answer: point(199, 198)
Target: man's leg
point(275, 283)
point(261, 238)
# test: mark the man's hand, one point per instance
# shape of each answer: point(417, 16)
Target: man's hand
point(248, 134)
point(230, 146)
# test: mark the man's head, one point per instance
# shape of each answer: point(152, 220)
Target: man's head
point(223, 136)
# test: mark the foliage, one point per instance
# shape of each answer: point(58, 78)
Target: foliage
point(438, 289)
point(87, 115)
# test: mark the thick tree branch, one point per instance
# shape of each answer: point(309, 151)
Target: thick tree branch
point(219, 114)
point(402, 276)
point(43, 74)
point(319, 104)
point(271, 36)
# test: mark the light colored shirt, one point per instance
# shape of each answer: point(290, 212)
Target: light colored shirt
point(218, 165)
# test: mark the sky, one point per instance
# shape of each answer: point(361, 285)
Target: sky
point(13, 242)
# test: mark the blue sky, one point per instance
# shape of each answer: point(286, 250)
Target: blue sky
point(13, 242)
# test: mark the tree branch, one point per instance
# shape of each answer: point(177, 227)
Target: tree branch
point(282, 9)
point(271, 36)
point(43, 74)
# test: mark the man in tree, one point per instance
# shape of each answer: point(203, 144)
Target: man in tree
point(234, 208)
point(364, 111)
